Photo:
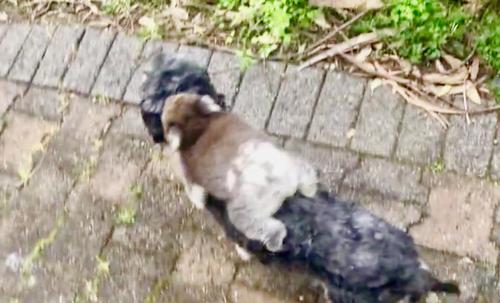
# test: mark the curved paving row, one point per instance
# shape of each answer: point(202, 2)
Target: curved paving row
point(89, 211)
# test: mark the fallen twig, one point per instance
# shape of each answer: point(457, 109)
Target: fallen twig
point(342, 47)
point(370, 69)
point(333, 33)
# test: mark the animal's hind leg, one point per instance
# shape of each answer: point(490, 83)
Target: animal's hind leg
point(196, 194)
point(308, 179)
point(254, 226)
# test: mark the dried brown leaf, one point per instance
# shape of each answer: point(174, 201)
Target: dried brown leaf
point(437, 90)
point(342, 47)
point(364, 53)
point(440, 67)
point(418, 101)
point(474, 69)
point(452, 61)
point(455, 78)
point(472, 93)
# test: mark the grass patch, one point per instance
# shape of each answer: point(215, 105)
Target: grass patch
point(423, 28)
point(437, 166)
point(488, 41)
point(263, 26)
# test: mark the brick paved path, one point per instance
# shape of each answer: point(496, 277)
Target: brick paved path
point(77, 164)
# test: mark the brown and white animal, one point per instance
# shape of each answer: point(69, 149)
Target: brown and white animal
point(224, 157)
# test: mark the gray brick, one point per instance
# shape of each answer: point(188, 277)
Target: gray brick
point(257, 92)
point(421, 137)
point(41, 102)
point(390, 180)
point(130, 124)
point(378, 122)
point(3, 30)
point(224, 70)
point(337, 109)
point(118, 67)
point(8, 93)
point(332, 164)
point(62, 47)
point(495, 165)
point(133, 93)
point(32, 52)
point(91, 53)
point(10, 46)
point(468, 147)
point(198, 55)
point(295, 102)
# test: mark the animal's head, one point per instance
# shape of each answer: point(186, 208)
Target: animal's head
point(185, 117)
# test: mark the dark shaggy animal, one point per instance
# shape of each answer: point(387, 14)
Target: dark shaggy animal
point(167, 77)
point(361, 258)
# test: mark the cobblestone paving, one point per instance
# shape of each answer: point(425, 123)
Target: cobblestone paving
point(90, 212)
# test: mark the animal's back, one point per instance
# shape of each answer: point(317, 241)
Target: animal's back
point(359, 254)
point(232, 158)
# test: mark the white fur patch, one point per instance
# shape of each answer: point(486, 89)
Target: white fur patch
point(209, 104)
point(243, 253)
point(196, 194)
point(173, 138)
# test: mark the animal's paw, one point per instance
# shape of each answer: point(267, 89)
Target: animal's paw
point(309, 190)
point(243, 253)
point(197, 196)
point(274, 240)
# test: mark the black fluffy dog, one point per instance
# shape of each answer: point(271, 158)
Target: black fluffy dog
point(359, 257)
point(170, 76)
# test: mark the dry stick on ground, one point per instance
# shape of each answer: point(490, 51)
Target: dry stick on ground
point(345, 46)
point(332, 34)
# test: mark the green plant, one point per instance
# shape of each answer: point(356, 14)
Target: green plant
point(437, 166)
point(150, 29)
point(488, 41)
point(265, 25)
point(116, 7)
point(423, 27)
point(125, 215)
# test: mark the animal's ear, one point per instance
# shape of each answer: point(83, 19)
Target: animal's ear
point(173, 138)
point(207, 105)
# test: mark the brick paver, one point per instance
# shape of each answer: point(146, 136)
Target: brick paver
point(59, 53)
point(257, 92)
point(224, 71)
point(332, 165)
point(32, 52)
point(92, 51)
point(395, 181)
point(42, 102)
point(378, 122)
point(8, 93)
point(80, 178)
point(421, 137)
point(295, 102)
point(337, 109)
point(133, 94)
point(10, 46)
point(460, 209)
point(468, 147)
point(118, 67)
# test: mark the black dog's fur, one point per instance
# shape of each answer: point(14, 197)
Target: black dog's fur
point(170, 76)
point(361, 258)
